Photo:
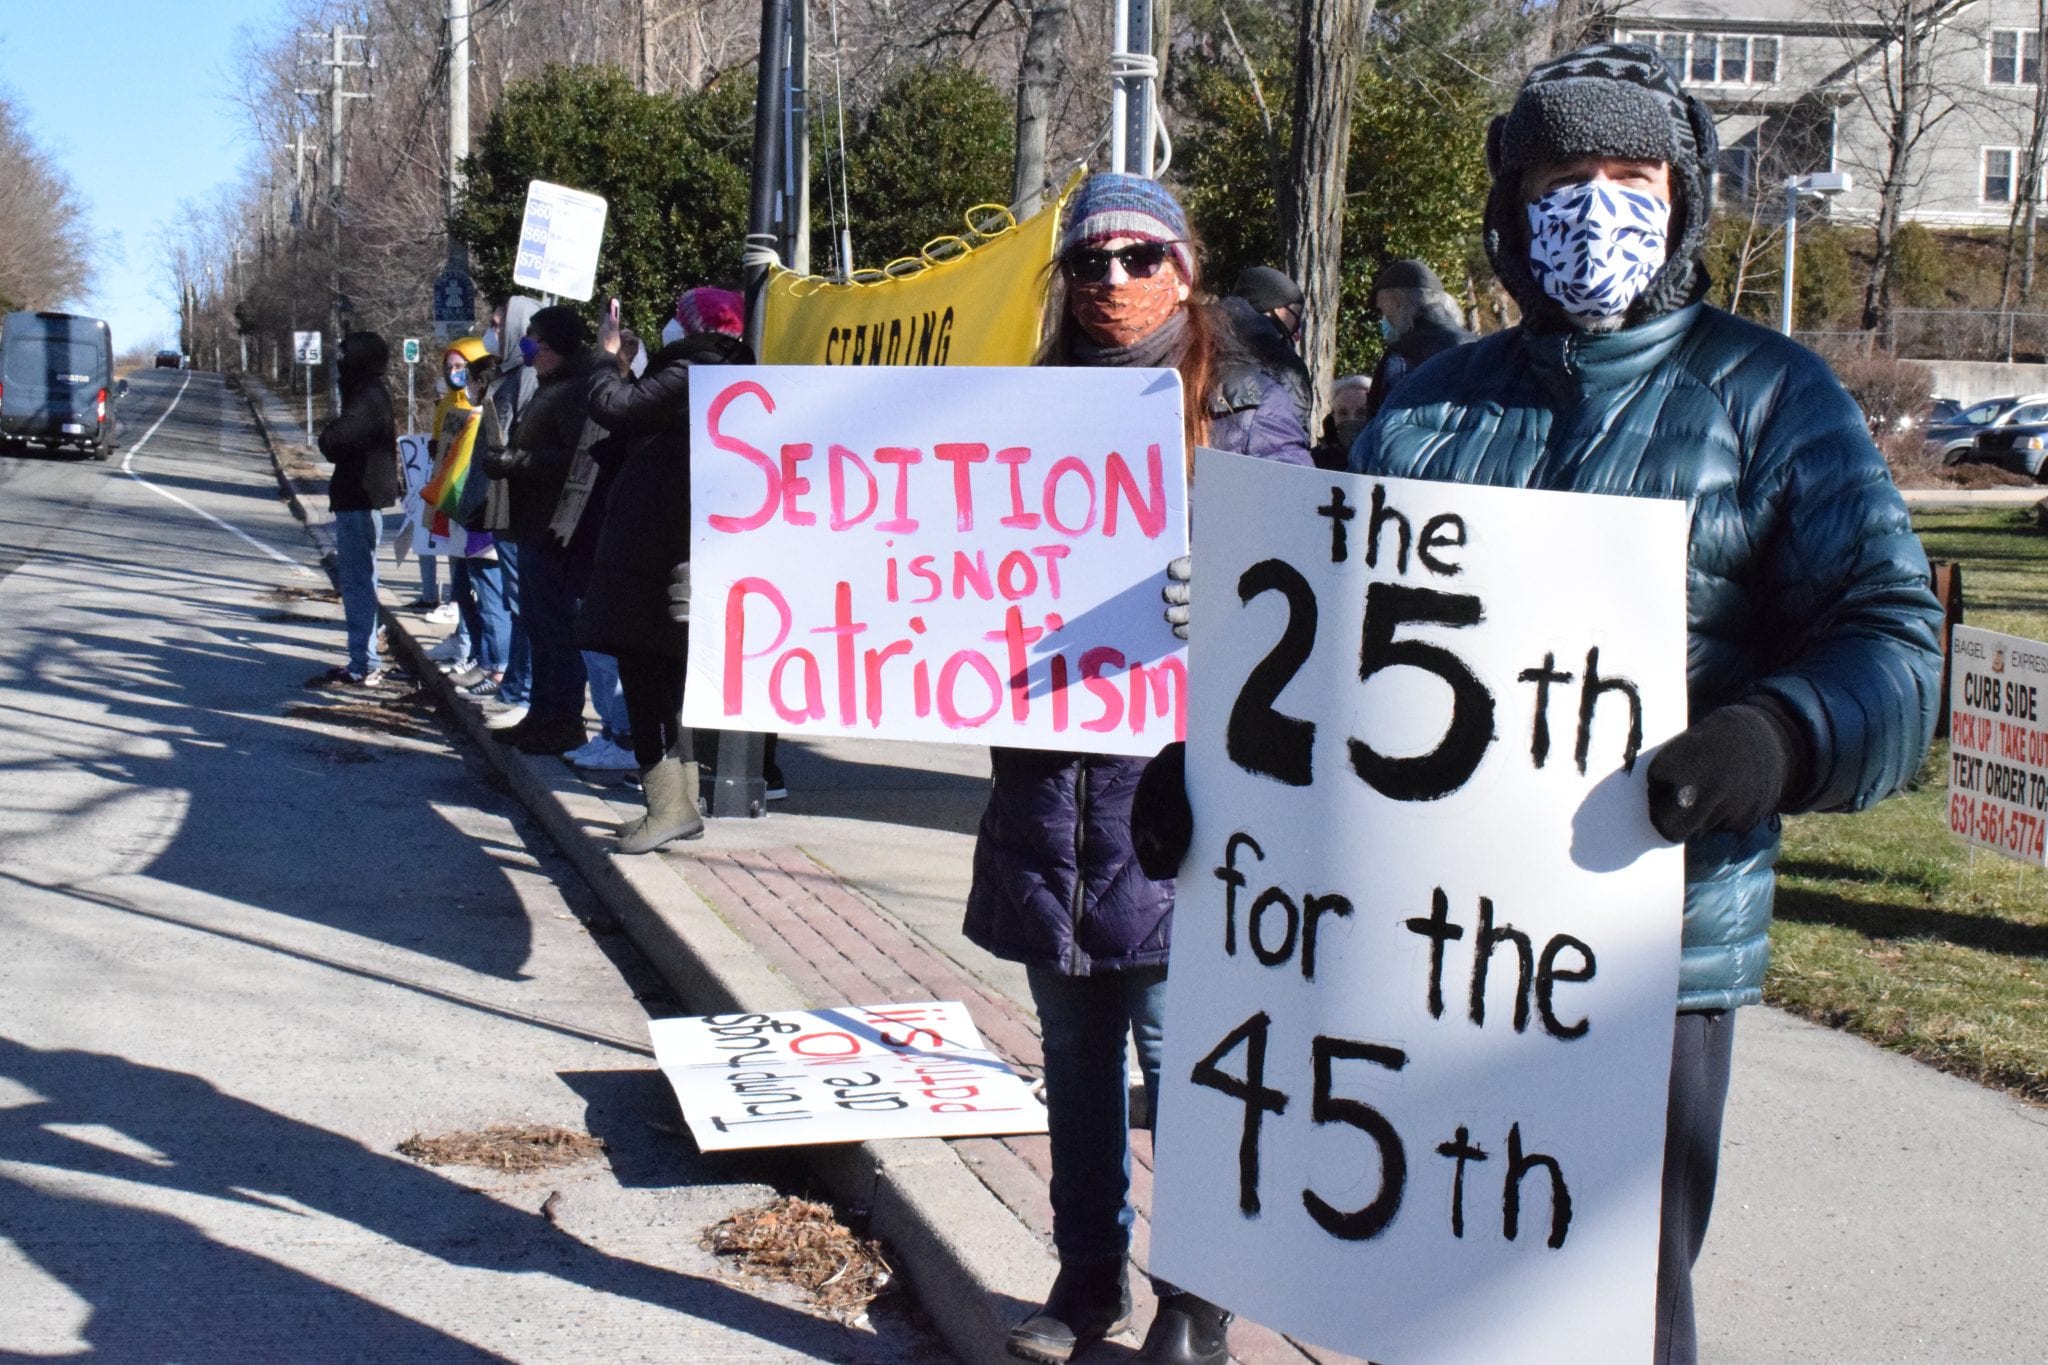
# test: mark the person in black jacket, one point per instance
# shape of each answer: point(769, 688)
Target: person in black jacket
point(535, 463)
point(1417, 318)
point(362, 444)
point(646, 535)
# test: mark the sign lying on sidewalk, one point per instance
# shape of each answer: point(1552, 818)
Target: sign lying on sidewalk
point(800, 1077)
point(968, 555)
point(1426, 948)
point(1998, 742)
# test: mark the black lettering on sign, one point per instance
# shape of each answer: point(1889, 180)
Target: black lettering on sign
point(1589, 697)
point(1482, 958)
point(1339, 512)
point(1460, 1149)
point(1447, 767)
point(1439, 930)
point(1520, 1163)
point(1269, 898)
point(1233, 882)
point(1259, 1100)
point(1539, 731)
point(1547, 977)
point(1259, 738)
point(1362, 1224)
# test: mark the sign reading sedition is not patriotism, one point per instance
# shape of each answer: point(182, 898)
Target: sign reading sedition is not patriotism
point(1425, 949)
point(1998, 742)
point(972, 556)
point(840, 1075)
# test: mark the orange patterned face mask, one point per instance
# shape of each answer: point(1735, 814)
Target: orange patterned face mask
point(1127, 311)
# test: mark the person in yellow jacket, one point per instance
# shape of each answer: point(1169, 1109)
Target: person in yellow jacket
point(479, 652)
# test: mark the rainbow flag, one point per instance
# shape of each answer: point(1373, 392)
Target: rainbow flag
point(450, 476)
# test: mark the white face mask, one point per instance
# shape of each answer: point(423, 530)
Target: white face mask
point(1594, 247)
point(638, 365)
point(491, 341)
point(671, 332)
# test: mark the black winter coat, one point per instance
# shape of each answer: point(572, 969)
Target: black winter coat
point(541, 445)
point(362, 443)
point(1426, 338)
point(646, 529)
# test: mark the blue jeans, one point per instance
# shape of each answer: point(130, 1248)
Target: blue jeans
point(356, 537)
point(1084, 1020)
point(608, 697)
point(547, 604)
point(469, 630)
point(517, 683)
point(430, 578)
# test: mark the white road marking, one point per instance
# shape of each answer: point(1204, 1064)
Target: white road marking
point(235, 531)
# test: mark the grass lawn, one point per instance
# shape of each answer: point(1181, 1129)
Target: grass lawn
point(1891, 928)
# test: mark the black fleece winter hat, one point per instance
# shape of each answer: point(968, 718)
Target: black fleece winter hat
point(1266, 289)
point(1607, 99)
point(1407, 274)
point(561, 327)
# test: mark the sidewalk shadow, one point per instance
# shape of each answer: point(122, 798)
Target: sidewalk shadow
point(885, 793)
point(1986, 933)
point(162, 1287)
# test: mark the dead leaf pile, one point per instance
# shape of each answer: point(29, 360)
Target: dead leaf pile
point(502, 1147)
point(800, 1242)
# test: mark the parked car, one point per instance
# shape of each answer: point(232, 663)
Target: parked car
point(169, 360)
point(2020, 449)
point(1955, 441)
point(57, 382)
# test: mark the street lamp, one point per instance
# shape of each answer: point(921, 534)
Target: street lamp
point(1819, 185)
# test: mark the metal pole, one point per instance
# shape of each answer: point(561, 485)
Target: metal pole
point(1138, 105)
point(411, 369)
point(738, 788)
point(1791, 249)
point(458, 119)
point(334, 144)
point(1119, 102)
point(309, 405)
point(798, 138)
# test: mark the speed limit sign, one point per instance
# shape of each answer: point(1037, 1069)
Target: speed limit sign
point(306, 348)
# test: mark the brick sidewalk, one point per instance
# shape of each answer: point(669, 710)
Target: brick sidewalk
point(838, 947)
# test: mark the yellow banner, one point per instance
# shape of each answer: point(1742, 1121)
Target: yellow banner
point(979, 304)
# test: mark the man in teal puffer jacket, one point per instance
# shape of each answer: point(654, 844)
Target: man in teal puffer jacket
point(1812, 659)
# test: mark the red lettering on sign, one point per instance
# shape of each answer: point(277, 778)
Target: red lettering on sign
point(963, 456)
point(735, 446)
point(1151, 512)
point(837, 458)
point(735, 631)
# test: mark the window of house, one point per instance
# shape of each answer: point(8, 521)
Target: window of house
point(1998, 174)
point(1715, 58)
point(2015, 57)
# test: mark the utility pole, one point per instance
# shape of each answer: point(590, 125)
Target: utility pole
point(454, 293)
point(337, 63)
point(796, 143)
point(1133, 71)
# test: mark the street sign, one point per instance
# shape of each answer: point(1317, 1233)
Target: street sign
point(558, 240)
point(454, 300)
point(306, 348)
point(412, 350)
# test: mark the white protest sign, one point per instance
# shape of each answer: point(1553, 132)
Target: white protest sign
point(416, 460)
point(967, 555)
point(305, 348)
point(840, 1075)
point(1425, 951)
point(559, 237)
point(1998, 742)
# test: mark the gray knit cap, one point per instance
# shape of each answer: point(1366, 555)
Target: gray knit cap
point(1607, 99)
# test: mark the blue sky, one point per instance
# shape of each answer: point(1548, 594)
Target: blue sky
point(132, 101)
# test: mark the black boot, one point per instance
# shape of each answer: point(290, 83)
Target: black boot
point(1090, 1300)
point(1187, 1331)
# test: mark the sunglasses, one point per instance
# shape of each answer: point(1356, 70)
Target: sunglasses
point(1090, 264)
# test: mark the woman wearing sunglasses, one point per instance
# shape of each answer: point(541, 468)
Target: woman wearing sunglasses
point(1056, 883)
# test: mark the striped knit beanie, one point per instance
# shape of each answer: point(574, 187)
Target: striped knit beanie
point(711, 310)
point(1110, 205)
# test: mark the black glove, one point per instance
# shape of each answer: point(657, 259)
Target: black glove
point(1178, 592)
point(1162, 822)
point(1728, 772)
point(679, 594)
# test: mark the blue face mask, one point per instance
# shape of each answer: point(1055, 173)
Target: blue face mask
point(458, 379)
point(1386, 330)
point(528, 349)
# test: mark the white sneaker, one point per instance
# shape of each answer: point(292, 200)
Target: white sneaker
point(603, 756)
point(505, 719)
point(449, 650)
point(447, 614)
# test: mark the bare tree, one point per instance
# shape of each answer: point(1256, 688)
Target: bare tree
point(1037, 77)
point(1897, 54)
point(1329, 35)
point(45, 251)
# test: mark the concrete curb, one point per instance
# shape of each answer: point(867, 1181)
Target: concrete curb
point(975, 1268)
point(1926, 499)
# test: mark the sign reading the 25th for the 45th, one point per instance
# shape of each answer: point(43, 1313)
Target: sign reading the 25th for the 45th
point(1425, 950)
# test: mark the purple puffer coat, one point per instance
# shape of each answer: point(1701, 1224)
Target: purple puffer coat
point(1056, 884)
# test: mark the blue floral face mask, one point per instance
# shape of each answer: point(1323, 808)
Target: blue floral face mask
point(1595, 247)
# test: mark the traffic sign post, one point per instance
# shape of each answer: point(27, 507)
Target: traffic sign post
point(454, 304)
point(306, 351)
point(412, 358)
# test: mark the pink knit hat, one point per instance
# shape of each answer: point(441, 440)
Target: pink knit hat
point(711, 310)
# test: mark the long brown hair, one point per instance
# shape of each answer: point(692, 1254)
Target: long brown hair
point(1197, 362)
